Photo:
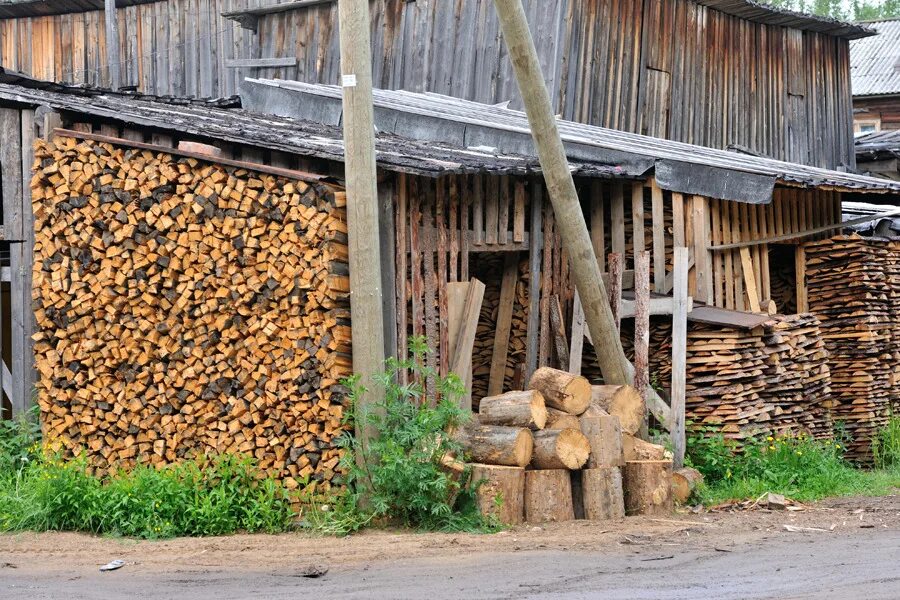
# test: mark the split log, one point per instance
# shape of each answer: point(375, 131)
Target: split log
point(558, 419)
point(548, 496)
point(514, 409)
point(637, 449)
point(648, 487)
point(602, 493)
point(562, 390)
point(604, 435)
point(500, 492)
point(496, 445)
point(684, 482)
point(623, 401)
point(560, 449)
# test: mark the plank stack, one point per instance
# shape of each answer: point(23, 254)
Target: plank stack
point(556, 452)
point(851, 290)
point(186, 308)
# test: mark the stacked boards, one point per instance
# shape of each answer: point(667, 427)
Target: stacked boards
point(853, 289)
point(556, 452)
point(186, 308)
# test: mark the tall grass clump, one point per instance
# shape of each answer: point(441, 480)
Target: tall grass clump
point(399, 477)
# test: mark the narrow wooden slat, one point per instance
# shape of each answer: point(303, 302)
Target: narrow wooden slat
point(637, 218)
point(659, 238)
point(466, 208)
point(415, 254)
point(503, 212)
point(454, 201)
point(617, 219)
point(679, 353)
point(504, 324)
point(739, 303)
point(678, 221)
point(532, 334)
point(800, 270)
point(519, 212)
point(402, 248)
point(491, 210)
point(478, 209)
point(440, 218)
point(750, 280)
point(546, 287)
point(642, 326)
point(598, 223)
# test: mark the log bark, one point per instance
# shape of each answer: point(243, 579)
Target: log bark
point(604, 434)
point(497, 445)
point(602, 493)
point(684, 482)
point(548, 496)
point(558, 419)
point(560, 449)
point(623, 401)
point(500, 492)
point(562, 390)
point(648, 487)
point(514, 409)
point(637, 449)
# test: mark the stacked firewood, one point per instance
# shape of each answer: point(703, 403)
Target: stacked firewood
point(774, 379)
point(556, 452)
point(850, 282)
point(892, 270)
point(186, 308)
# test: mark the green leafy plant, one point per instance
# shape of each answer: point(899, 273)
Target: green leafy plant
point(399, 477)
point(20, 440)
point(886, 445)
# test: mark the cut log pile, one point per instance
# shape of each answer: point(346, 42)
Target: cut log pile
point(853, 290)
point(774, 379)
point(556, 452)
point(184, 308)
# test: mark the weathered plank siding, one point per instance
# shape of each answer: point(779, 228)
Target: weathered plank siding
point(668, 68)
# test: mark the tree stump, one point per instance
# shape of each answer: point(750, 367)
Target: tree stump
point(548, 496)
point(501, 493)
point(648, 487)
point(562, 390)
point(560, 449)
point(684, 482)
point(605, 438)
point(602, 493)
point(514, 409)
point(497, 445)
point(623, 401)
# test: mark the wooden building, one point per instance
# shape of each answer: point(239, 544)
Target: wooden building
point(875, 76)
point(715, 73)
point(878, 153)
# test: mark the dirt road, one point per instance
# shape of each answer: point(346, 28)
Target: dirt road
point(854, 554)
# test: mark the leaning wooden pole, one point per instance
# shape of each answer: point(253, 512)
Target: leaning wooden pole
point(566, 207)
point(362, 204)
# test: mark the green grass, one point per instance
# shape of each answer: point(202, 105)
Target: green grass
point(798, 467)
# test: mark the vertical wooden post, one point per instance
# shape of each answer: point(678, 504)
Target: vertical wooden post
point(702, 261)
point(800, 267)
point(657, 213)
point(563, 195)
point(362, 203)
point(642, 328)
point(679, 352)
point(113, 60)
point(535, 242)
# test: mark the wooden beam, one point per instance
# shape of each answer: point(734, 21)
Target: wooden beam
point(679, 354)
point(464, 307)
point(642, 328)
point(750, 280)
point(659, 238)
point(260, 63)
point(534, 282)
point(800, 267)
point(702, 262)
point(504, 324)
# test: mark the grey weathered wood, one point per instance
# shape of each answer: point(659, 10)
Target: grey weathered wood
point(642, 326)
point(659, 239)
point(679, 353)
point(260, 63)
point(23, 267)
point(386, 210)
point(534, 282)
point(576, 344)
point(113, 59)
point(462, 345)
point(504, 324)
point(362, 205)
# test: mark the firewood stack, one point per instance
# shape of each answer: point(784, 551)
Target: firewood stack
point(556, 452)
point(185, 308)
point(850, 281)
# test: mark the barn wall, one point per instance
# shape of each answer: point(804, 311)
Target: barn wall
point(885, 109)
point(668, 68)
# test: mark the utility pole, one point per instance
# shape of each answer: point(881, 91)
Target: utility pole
point(566, 207)
point(112, 44)
point(362, 205)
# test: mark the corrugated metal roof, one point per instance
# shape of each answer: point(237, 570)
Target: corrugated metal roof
point(10, 9)
point(875, 61)
point(465, 123)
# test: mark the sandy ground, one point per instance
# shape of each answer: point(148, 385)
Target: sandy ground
point(854, 554)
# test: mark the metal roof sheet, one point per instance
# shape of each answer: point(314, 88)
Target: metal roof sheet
point(10, 9)
point(875, 61)
point(878, 144)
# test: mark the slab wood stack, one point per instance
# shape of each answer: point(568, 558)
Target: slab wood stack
point(579, 437)
point(185, 308)
point(852, 290)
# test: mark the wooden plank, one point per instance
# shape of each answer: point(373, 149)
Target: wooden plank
point(386, 244)
point(415, 254)
point(454, 201)
point(703, 263)
point(534, 282)
point(728, 279)
point(678, 221)
point(598, 223)
point(491, 210)
point(637, 218)
point(465, 199)
point(735, 236)
point(21, 263)
point(503, 212)
point(657, 213)
point(519, 212)
point(576, 344)
point(750, 280)
point(504, 324)
point(464, 311)
point(478, 209)
point(679, 354)
point(642, 326)
point(440, 218)
point(558, 326)
point(546, 287)
point(614, 286)
point(617, 219)
point(400, 277)
point(260, 63)
point(800, 269)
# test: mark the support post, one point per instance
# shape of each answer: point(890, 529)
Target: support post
point(679, 353)
point(642, 331)
point(569, 217)
point(114, 63)
point(362, 204)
